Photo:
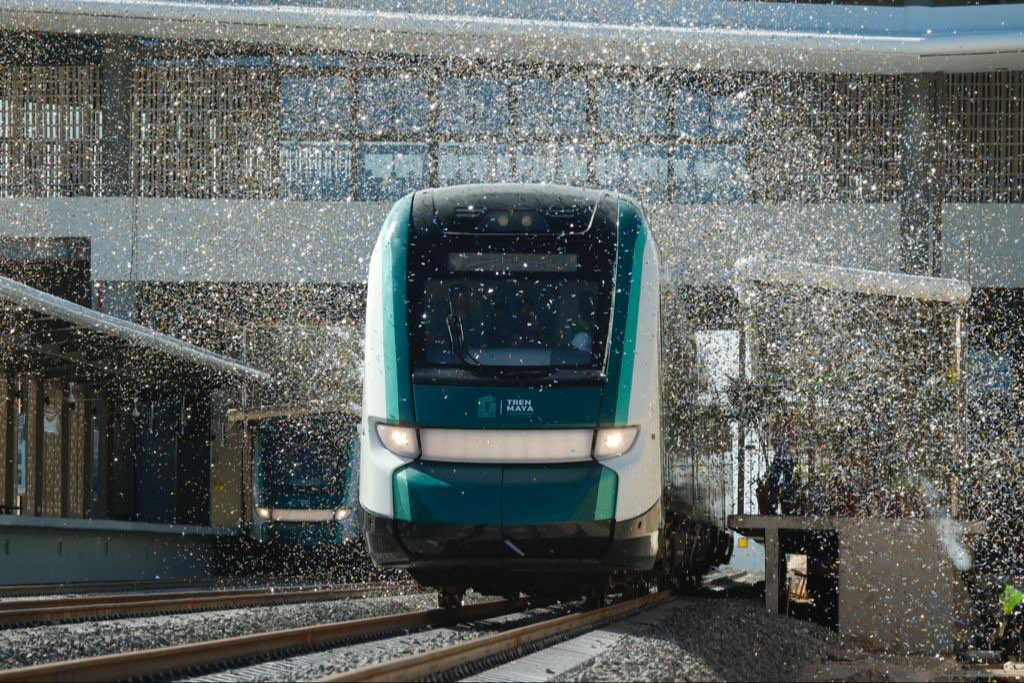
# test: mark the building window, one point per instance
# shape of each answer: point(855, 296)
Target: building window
point(473, 106)
point(692, 113)
point(389, 170)
point(316, 105)
point(317, 170)
point(554, 163)
point(710, 173)
point(552, 109)
point(729, 115)
point(459, 164)
point(640, 170)
point(631, 110)
point(393, 106)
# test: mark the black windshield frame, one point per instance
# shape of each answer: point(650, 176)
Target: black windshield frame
point(430, 246)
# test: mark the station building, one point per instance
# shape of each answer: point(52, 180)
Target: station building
point(225, 167)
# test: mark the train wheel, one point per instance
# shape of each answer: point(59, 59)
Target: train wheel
point(450, 598)
point(596, 598)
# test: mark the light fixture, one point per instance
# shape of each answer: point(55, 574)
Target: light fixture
point(341, 514)
point(263, 513)
point(613, 442)
point(399, 440)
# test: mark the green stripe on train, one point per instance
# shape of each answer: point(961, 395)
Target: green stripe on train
point(445, 493)
point(472, 407)
point(394, 270)
point(632, 237)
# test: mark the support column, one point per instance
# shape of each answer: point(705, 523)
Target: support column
point(772, 570)
point(116, 64)
point(921, 186)
point(9, 450)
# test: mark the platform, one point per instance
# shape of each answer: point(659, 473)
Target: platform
point(55, 550)
point(897, 580)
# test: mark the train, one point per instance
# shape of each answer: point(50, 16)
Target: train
point(511, 435)
point(303, 476)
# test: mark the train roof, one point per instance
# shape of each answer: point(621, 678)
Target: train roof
point(478, 209)
point(520, 195)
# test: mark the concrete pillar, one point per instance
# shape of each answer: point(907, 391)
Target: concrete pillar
point(116, 64)
point(8, 443)
point(920, 181)
point(772, 570)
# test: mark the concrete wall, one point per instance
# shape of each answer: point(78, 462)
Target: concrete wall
point(700, 243)
point(171, 240)
point(47, 550)
point(899, 588)
point(107, 222)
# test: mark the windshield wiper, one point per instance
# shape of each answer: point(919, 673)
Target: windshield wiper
point(457, 335)
point(458, 341)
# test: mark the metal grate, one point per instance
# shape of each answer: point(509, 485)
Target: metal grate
point(50, 130)
point(826, 137)
point(984, 152)
point(204, 131)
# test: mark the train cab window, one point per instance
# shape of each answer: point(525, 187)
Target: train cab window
point(503, 280)
point(519, 321)
point(298, 459)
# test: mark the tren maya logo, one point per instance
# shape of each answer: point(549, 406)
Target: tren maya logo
point(486, 407)
point(489, 407)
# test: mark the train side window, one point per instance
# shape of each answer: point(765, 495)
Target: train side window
point(729, 115)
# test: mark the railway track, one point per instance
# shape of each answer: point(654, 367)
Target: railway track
point(83, 587)
point(481, 653)
point(463, 658)
point(162, 662)
point(52, 610)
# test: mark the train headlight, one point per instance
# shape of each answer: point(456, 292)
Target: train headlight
point(341, 514)
point(399, 440)
point(613, 442)
point(263, 513)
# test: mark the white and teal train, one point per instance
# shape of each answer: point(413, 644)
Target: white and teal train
point(511, 431)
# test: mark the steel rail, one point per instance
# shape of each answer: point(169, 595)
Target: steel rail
point(111, 586)
point(421, 666)
point(72, 609)
point(160, 594)
point(167, 660)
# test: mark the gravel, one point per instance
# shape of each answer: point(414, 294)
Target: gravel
point(36, 645)
point(709, 639)
point(341, 659)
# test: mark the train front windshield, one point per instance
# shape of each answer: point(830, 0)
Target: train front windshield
point(511, 310)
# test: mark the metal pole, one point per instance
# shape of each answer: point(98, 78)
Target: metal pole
point(741, 431)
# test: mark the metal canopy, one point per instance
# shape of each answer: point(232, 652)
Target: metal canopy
point(872, 282)
point(52, 337)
